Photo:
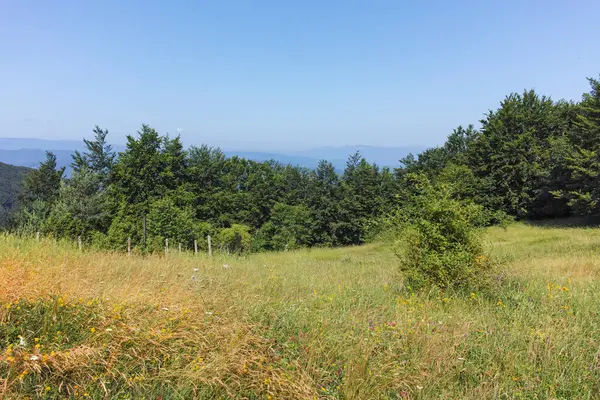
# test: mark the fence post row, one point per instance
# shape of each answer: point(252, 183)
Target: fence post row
point(209, 240)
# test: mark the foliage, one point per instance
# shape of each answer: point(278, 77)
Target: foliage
point(39, 194)
point(583, 188)
point(81, 208)
point(288, 228)
point(438, 244)
point(99, 157)
point(12, 179)
point(511, 154)
point(235, 240)
point(167, 221)
point(42, 184)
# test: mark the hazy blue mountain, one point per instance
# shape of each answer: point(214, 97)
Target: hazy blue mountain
point(31, 158)
point(383, 156)
point(300, 160)
point(29, 152)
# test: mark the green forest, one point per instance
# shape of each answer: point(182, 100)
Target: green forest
point(532, 158)
point(11, 178)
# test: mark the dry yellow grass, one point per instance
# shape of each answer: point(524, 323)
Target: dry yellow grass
point(321, 323)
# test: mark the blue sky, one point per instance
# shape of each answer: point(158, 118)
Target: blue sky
point(253, 74)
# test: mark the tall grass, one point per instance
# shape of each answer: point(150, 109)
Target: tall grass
point(321, 323)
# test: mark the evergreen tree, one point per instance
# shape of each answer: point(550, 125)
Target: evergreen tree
point(42, 184)
point(583, 187)
point(324, 198)
point(99, 157)
point(40, 192)
point(81, 208)
point(511, 153)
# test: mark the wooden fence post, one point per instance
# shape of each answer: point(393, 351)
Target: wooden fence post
point(37, 236)
point(144, 231)
point(129, 246)
point(166, 246)
point(209, 247)
point(79, 244)
point(195, 247)
point(179, 248)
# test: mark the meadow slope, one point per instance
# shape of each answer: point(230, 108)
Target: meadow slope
point(320, 323)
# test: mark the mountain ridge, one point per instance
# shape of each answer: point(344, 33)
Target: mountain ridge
point(29, 152)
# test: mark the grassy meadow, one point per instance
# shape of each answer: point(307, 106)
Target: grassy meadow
point(309, 324)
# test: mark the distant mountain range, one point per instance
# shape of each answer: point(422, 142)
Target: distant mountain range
point(28, 152)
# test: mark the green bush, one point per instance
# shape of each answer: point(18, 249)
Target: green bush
point(235, 240)
point(439, 244)
point(288, 228)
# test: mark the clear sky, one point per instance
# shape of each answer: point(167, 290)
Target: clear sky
point(284, 73)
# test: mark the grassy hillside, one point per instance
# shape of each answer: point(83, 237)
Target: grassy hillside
point(10, 184)
point(330, 324)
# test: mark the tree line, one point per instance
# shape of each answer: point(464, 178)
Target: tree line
point(532, 158)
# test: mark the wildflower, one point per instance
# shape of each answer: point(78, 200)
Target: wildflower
point(22, 341)
point(37, 346)
point(92, 330)
point(225, 266)
point(196, 269)
point(34, 358)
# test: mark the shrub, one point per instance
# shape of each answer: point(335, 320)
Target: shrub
point(287, 228)
point(439, 244)
point(235, 240)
